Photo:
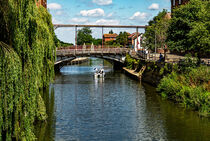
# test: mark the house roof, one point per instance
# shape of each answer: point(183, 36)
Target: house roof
point(110, 35)
point(133, 35)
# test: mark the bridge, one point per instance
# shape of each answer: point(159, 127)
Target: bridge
point(109, 53)
point(114, 54)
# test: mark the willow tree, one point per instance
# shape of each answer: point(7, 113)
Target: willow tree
point(26, 66)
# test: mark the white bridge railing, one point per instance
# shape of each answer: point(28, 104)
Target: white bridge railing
point(101, 51)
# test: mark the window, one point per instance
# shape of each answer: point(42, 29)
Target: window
point(180, 1)
point(174, 2)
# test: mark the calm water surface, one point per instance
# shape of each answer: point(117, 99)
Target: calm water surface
point(116, 108)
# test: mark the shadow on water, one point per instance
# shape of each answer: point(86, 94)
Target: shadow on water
point(179, 123)
point(45, 131)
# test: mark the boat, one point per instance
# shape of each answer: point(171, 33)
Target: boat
point(99, 73)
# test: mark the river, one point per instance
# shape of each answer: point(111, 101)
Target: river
point(116, 108)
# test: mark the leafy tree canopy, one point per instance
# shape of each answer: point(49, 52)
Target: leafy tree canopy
point(189, 29)
point(157, 29)
point(122, 38)
point(84, 36)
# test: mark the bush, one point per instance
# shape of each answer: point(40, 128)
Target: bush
point(190, 89)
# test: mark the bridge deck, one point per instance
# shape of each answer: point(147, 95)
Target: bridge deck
point(92, 52)
point(107, 52)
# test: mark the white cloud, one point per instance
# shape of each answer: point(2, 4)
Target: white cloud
point(79, 20)
point(154, 6)
point(110, 15)
point(139, 16)
point(107, 22)
point(58, 13)
point(54, 6)
point(93, 13)
point(102, 2)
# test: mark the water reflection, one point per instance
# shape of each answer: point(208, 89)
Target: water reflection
point(115, 108)
point(45, 131)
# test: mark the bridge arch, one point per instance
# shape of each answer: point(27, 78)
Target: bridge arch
point(115, 55)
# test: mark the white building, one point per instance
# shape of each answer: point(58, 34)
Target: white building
point(138, 45)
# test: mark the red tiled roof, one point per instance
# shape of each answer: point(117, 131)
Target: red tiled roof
point(133, 35)
point(110, 35)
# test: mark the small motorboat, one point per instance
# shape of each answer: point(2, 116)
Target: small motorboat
point(99, 73)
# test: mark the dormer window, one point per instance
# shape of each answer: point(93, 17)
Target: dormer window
point(180, 1)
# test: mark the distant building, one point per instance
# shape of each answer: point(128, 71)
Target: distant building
point(176, 3)
point(110, 37)
point(138, 42)
point(41, 2)
point(131, 39)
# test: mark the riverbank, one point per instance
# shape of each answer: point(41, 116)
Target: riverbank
point(131, 73)
point(182, 83)
point(189, 89)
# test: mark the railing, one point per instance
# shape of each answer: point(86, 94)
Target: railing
point(106, 50)
point(88, 47)
point(101, 51)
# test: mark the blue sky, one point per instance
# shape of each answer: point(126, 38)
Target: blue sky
point(112, 12)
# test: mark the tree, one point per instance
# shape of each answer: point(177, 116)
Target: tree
point(122, 39)
point(111, 32)
point(157, 27)
point(97, 41)
point(189, 29)
point(84, 36)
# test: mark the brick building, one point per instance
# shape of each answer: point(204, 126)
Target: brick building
point(41, 2)
point(110, 37)
point(175, 3)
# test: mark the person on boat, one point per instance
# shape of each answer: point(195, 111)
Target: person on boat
point(101, 71)
point(96, 70)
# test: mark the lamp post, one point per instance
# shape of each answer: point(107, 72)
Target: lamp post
point(155, 46)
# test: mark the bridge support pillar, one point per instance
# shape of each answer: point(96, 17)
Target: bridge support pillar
point(102, 36)
point(76, 37)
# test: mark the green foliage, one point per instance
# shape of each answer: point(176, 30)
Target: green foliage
point(97, 41)
point(190, 28)
point(122, 38)
point(187, 64)
point(111, 32)
point(27, 55)
point(157, 27)
point(131, 63)
point(190, 89)
point(84, 36)
point(113, 43)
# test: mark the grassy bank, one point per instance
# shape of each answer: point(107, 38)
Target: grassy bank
point(190, 88)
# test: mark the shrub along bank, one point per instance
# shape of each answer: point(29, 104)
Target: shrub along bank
point(27, 55)
point(190, 89)
point(186, 83)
